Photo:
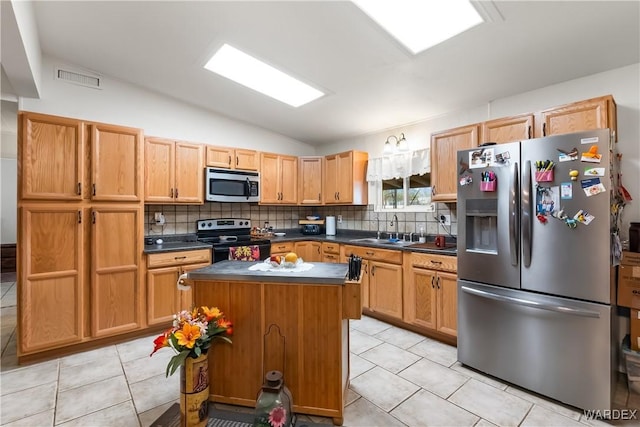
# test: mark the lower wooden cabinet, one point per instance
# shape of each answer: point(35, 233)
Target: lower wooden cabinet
point(330, 252)
point(50, 277)
point(430, 292)
point(116, 297)
point(164, 299)
point(282, 248)
point(309, 251)
point(382, 279)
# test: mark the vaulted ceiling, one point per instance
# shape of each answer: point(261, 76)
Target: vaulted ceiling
point(371, 81)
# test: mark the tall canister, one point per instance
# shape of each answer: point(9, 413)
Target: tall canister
point(634, 237)
point(331, 225)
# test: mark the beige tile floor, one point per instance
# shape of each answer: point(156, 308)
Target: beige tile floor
point(398, 378)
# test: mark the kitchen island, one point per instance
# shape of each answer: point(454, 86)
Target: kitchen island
point(311, 310)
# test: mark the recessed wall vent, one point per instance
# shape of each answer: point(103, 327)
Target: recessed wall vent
point(83, 79)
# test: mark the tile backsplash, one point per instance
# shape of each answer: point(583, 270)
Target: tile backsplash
point(181, 219)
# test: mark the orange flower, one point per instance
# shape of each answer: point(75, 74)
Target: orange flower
point(211, 313)
point(160, 342)
point(188, 335)
point(224, 323)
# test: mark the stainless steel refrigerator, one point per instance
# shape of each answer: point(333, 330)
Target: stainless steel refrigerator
point(535, 285)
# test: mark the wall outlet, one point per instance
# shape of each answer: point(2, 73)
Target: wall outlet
point(445, 219)
point(159, 218)
point(339, 219)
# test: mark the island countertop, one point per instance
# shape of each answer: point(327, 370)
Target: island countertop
point(322, 273)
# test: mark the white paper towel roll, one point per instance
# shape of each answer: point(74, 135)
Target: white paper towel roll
point(331, 225)
point(181, 283)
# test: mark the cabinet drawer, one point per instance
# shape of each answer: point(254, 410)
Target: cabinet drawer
point(331, 248)
point(277, 248)
point(375, 254)
point(166, 259)
point(435, 262)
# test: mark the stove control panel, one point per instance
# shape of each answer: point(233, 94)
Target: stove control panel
point(223, 224)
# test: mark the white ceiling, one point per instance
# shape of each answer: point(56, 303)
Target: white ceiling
point(371, 81)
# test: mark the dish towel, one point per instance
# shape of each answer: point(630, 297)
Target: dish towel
point(244, 253)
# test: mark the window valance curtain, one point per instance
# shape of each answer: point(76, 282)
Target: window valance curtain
point(400, 165)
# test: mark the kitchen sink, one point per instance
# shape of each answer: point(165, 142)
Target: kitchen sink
point(373, 240)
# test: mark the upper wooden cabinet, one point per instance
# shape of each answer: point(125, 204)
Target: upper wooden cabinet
point(174, 171)
point(232, 158)
point(51, 156)
point(116, 163)
point(444, 161)
point(310, 180)
point(52, 153)
point(508, 129)
point(278, 179)
point(345, 178)
point(595, 113)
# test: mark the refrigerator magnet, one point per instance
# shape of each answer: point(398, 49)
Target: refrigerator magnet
point(481, 158)
point(592, 186)
point(591, 156)
point(583, 217)
point(566, 190)
point(503, 158)
point(594, 172)
point(466, 180)
point(567, 156)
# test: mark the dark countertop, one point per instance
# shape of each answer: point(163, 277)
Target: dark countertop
point(322, 273)
point(347, 237)
point(177, 242)
point(187, 242)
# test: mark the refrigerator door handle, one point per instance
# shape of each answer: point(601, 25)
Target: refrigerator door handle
point(532, 304)
point(513, 215)
point(527, 222)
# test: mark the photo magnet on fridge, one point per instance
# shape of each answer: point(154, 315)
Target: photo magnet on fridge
point(566, 190)
point(583, 217)
point(591, 156)
point(592, 186)
point(594, 172)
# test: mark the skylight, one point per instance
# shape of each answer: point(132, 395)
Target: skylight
point(254, 74)
point(421, 24)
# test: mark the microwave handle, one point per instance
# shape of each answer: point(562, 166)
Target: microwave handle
point(247, 189)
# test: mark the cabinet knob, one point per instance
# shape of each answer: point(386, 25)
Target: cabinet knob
point(432, 285)
point(544, 129)
point(94, 189)
point(229, 159)
point(79, 189)
point(171, 193)
point(176, 192)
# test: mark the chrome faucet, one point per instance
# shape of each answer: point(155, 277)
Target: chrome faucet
point(395, 217)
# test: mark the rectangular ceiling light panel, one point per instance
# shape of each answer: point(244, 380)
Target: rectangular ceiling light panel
point(421, 24)
point(255, 74)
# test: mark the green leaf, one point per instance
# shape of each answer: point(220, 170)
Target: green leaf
point(197, 351)
point(176, 361)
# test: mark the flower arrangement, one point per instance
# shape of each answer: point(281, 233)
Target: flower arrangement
point(192, 333)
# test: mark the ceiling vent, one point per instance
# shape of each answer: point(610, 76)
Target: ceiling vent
point(83, 79)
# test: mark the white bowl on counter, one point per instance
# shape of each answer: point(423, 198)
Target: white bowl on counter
point(279, 234)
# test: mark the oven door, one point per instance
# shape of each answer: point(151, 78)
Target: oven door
point(221, 252)
point(232, 186)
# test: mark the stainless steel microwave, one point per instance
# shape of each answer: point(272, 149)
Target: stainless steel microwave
point(224, 185)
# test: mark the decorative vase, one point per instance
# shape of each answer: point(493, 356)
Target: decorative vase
point(194, 392)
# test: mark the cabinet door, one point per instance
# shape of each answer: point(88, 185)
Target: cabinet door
point(246, 159)
point(189, 186)
point(269, 178)
point(159, 155)
point(50, 291)
point(289, 179)
point(385, 288)
point(331, 179)
point(309, 251)
point(162, 294)
point(597, 113)
point(508, 129)
point(420, 303)
point(310, 180)
point(116, 160)
point(51, 158)
point(115, 276)
point(447, 303)
point(444, 161)
point(219, 157)
point(345, 177)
